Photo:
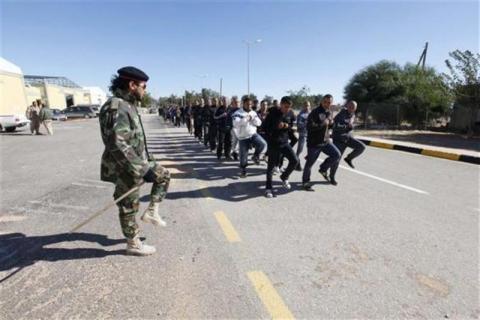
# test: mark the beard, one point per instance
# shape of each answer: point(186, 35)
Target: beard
point(137, 95)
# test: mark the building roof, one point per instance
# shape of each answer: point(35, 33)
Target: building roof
point(59, 81)
point(7, 66)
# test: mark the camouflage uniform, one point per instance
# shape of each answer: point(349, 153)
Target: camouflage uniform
point(125, 160)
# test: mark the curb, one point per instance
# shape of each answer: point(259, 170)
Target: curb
point(425, 152)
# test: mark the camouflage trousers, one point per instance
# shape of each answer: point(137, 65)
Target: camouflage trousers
point(128, 207)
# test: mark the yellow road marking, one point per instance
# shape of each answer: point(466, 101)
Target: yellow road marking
point(269, 296)
point(227, 227)
point(441, 154)
point(381, 145)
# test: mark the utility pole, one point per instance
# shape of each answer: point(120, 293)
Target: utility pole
point(423, 57)
point(249, 43)
point(422, 60)
point(221, 82)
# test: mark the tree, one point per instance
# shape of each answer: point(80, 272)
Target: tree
point(268, 98)
point(209, 93)
point(464, 80)
point(299, 97)
point(252, 96)
point(425, 94)
point(376, 88)
point(147, 100)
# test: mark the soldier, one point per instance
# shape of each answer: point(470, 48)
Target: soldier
point(45, 117)
point(33, 114)
point(126, 161)
point(343, 137)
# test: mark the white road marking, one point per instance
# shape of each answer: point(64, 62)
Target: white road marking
point(11, 218)
point(88, 185)
point(95, 181)
point(393, 183)
point(59, 205)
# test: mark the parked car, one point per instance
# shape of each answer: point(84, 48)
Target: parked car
point(96, 107)
point(80, 112)
point(59, 115)
point(10, 123)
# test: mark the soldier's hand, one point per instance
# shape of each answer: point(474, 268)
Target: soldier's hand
point(150, 176)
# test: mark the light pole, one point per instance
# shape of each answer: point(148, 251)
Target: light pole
point(249, 43)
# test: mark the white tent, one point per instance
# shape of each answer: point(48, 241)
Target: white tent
point(12, 89)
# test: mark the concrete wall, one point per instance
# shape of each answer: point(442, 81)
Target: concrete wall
point(55, 96)
point(12, 94)
point(34, 93)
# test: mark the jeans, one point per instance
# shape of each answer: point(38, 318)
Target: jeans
point(293, 141)
point(258, 143)
point(312, 155)
point(341, 144)
point(301, 144)
point(212, 137)
point(224, 143)
point(274, 152)
point(206, 132)
point(234, 141)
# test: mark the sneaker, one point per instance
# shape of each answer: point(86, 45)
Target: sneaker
point(228, 158)
point(136, 247)
point(268, 193)
point(243, 174)
point(286, 184)
point(333, 181)
point(276, 170)
point(349, 162)
point(235, 156)
point(256, 160)
point(324, 174)
point(298, 167)
point(307, 186)
point(151, 215)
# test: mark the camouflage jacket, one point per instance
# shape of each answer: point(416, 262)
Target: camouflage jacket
point(124, 139)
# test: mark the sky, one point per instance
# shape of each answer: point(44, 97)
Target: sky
point(186, 45)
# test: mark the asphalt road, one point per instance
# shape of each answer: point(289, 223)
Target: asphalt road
point(397, 238)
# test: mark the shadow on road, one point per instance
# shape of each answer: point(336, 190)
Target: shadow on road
point(18, 250)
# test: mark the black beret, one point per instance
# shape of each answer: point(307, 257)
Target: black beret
point(132, 73)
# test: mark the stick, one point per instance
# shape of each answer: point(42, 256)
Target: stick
point(108, 206)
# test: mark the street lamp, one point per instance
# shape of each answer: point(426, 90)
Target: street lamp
point(249, 43)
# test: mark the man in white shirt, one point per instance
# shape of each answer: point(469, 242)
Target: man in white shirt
point(245, 123)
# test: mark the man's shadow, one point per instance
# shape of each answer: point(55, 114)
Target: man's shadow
point(19, 250)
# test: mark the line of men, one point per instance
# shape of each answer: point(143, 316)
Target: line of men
point(231, 131)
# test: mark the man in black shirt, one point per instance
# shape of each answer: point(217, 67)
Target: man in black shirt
point(223, 128)
point(188, 116)
point(277, 127)
point(319, 122)
point(198, 119)
point(343, 137)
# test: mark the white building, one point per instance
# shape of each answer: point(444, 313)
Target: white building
point(97, 95)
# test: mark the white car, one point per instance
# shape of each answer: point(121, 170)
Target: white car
point(10, 123)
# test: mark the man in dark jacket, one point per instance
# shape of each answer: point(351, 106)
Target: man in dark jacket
point(277, 126)
point(318, 140)
point(188, 117)
point(198, 119)
point(343, 138)
point(223, 129)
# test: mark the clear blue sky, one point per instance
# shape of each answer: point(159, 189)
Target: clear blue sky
point(319, 44)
